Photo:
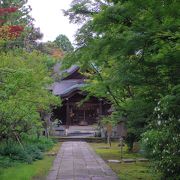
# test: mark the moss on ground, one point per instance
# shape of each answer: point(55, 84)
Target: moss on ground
point(125, 171)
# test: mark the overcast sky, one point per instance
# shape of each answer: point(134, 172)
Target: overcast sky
point(49, 17)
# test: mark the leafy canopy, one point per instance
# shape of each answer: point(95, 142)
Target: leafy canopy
point(63, 43)
point(24, 79)
point(131, 51)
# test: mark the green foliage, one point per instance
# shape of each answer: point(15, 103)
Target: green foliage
point(32, 149)
point(162, 142)
point(47, 47)
point(42, 143)
point(21, 17)
point(63, 43)
point(23, 171)
point(130, 50)
point(24, 80)
point(125, 171)
point(25, 77)
point(6, 161)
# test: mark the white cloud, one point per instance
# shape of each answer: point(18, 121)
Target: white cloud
point(49, 17)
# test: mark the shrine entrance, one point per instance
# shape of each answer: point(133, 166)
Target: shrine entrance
point(77, 108)
point(74, 113)
point(87, 114)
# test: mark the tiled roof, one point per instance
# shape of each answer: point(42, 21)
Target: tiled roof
point(65, 87)
point(72, 69)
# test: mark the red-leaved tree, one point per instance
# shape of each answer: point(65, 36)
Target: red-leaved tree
point(9, 31)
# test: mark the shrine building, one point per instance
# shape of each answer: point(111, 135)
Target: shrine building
point(76, 108)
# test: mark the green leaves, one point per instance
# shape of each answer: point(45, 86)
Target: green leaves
point(131, 51)
point(63, 43)
point(24, 78)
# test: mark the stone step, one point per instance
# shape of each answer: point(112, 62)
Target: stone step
point(83, 139)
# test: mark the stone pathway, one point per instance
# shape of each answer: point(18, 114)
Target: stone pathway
point(77, 161)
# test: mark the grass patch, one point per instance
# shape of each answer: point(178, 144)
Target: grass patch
point(125, 171)
point(23, 171)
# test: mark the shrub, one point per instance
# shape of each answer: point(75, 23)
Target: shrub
point(10, 148)
point(42, 143)
point(161, 143)
point(6, 161)
point(32, 150)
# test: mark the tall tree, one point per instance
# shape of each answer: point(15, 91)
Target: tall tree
point(21, 16)
point(131, 50)
point(24, 78)
point(64, 43)
point(52, 49)
point(15, 18)
point(9, 31)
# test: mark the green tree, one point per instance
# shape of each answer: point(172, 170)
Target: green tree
point(51, 49)
point(131, 51)
point(64, 43)
point(19, 18)
point(161, 141)
point(24, 78)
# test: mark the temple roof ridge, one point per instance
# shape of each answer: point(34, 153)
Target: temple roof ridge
point(66, 85)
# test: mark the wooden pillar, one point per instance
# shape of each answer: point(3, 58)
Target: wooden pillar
point(67, 113)
point(100, 111)
point(100, 108)
point(84, 115)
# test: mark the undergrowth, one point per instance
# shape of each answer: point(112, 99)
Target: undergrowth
point(30, 149)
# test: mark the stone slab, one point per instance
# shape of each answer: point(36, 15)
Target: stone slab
point(113, 161)
point(77, 161)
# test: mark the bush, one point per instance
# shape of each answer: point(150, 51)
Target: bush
point(6, 161)
point(33, 148)
point(161, 143)
point(10, 149)
point(42, 143)
point(34, 152)
point(11, 152)
point(162, 148)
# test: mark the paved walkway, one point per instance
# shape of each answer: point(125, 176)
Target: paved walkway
point(77, 161)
